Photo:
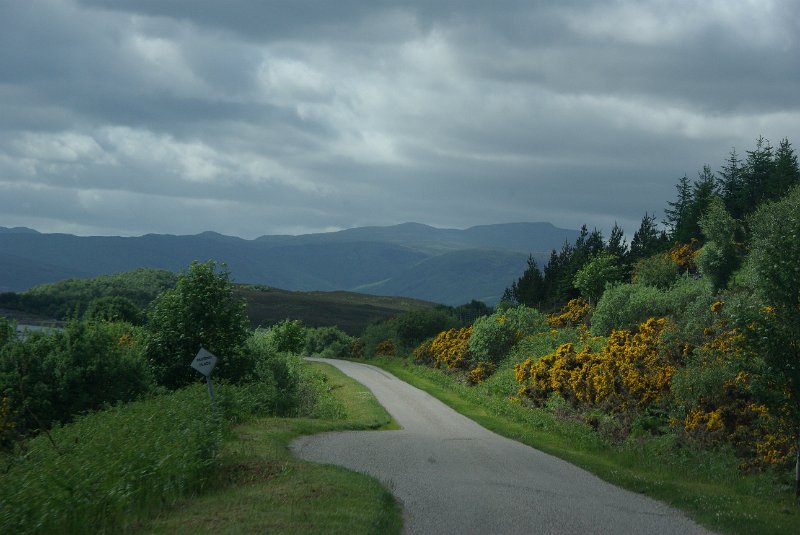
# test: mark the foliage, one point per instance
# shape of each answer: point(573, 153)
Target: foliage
point(328, 342)
point(110, 467)
point(493, 336)
point(659, 271)
point(200, 311)
point(449, 349)
point(647, 240)
point(529, 289)
point(406, 331)
point(113, 308)
point(628, 373)
point(719, 398)
point(571, 314)
point(62, 298)
point(51, 377)
point(274, 352)
point(770, 320)
point(719, 257)
point(627, 305)
point(683, 255)
point(600, 271)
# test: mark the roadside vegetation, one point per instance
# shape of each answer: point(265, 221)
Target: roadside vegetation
point(669, 365)
point(103, 424)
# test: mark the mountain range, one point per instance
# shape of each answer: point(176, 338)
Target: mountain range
point(447, 266)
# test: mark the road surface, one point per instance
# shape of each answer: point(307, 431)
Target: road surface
point(453, 476)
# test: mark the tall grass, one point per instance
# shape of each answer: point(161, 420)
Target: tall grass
point(109, 468)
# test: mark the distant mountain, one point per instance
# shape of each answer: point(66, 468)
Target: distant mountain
point(443, 265)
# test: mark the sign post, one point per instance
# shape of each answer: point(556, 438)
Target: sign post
point(204, 362)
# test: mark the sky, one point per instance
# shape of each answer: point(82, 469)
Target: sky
point(127, 117)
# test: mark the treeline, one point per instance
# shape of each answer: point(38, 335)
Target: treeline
point(122, 296)
point(739, 187)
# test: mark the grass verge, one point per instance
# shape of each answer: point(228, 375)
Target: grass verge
point(706, 485)
point(261, 488)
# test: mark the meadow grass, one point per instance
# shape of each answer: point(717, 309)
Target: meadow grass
point(108, 468)
point(706, 485)
point(260, 487)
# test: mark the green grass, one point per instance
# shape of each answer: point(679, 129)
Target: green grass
point(706, 485)
point(261, 488)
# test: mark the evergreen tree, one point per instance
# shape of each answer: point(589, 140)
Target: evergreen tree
point(785, 171)
point(648, 240)
point(529, 290)
point(617, 245)
point(677, 215)
point(757, 174)
point(731, 184)
point(703, 190)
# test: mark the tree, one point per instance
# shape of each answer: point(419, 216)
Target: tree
point(731, 185)
point(201, 310)
point(529, 290)
point(647, 241)
point(617, 245)
point(757, 174)
point(772, 327)
point(677, 215)
point(719, 257)
point(785, 170)
point(593, 277)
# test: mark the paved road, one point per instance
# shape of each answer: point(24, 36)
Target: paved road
point(454, 476)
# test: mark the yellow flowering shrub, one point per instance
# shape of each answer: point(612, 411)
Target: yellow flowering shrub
point(450, 348)
point(386, 348)
point(684, 254)
point(715, 393)
point(573, 313)
point(480, 373)
point(628, 372)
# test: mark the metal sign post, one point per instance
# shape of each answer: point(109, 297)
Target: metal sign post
point(204, 362)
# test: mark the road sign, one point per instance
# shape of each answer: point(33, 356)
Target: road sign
point(204, 362)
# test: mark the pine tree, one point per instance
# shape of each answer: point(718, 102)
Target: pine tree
point(677, 215)
point(647, 241)
point(617, 245)
point(757, 174)
point(529, 290)
point(785, 171)
point(731, 185)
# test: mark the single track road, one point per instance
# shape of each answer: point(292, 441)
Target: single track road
point(454, 476)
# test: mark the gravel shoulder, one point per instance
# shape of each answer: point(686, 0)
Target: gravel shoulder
point(454, 476)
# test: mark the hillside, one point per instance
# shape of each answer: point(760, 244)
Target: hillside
point(445, 265)
point(349, 311)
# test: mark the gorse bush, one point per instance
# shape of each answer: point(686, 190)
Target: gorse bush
point(628, 373)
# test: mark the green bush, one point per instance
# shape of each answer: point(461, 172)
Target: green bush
point(407, 330)
point(494, 336)
point(328, 342)
point(50, 377)
point(657, 270)
point(200, 311)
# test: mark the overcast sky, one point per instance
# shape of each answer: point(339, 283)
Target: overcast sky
point(267, 117)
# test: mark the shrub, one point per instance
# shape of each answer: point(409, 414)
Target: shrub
point(200, 310)
point(628, 373)
point(494, 336)
point(571, 314)
point(328, 342)
point(450, 349)
point(659, 270)
point(50, 377)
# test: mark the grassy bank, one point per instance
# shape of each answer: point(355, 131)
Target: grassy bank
point(261, 488)
point(706, 485)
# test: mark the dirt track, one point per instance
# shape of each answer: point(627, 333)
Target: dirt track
point(453, 476)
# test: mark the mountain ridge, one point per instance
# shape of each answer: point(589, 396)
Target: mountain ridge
point(451, 266)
